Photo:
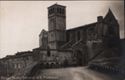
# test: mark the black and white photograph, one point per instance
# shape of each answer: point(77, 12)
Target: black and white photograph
point(62, 40)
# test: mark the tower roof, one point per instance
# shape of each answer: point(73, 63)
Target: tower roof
point(56, 5)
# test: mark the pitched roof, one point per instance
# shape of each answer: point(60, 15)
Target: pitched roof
point(56, 5)
point(42, 32)
point(83, 26)
point(109, 16)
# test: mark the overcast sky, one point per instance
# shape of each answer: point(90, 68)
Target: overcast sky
point(22, 21)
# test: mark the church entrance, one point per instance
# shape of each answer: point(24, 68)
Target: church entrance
point(81, 58)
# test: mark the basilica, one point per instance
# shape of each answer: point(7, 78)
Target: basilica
point(78, 45)
point(92, 44)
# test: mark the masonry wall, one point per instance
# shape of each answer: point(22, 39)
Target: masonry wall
point(16, 63)
point(54, 56)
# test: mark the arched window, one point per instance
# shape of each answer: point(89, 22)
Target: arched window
point(58, 10)
point(48, 52)
point(49, 12)
point(78, 35)
point(79, 56)
point(63, 11)
point(52, 10)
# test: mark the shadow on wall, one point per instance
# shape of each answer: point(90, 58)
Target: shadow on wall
point(123, 52)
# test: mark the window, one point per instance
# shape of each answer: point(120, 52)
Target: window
point(71, 36)
point(78, 35)
point(63, 11)
point(58, 10)
point(51, 11)
point(48, 53)
point(52, 35)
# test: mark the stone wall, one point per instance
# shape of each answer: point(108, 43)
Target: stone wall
point(15, 63)
point(54, 56)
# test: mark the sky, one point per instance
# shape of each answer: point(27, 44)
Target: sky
point(22, 21)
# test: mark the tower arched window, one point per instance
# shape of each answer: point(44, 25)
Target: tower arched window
point(52, 10)
point(57, 10)
point(63, 11)
point(60, 11)
point(49, 11)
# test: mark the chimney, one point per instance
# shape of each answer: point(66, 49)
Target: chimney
point(100, 18)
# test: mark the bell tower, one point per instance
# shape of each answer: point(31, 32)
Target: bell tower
point(56, 26)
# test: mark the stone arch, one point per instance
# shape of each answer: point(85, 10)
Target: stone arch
point(81, 58)
point(47, 65)
point(57, 64)
point(65, 63)
point(52, 65)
